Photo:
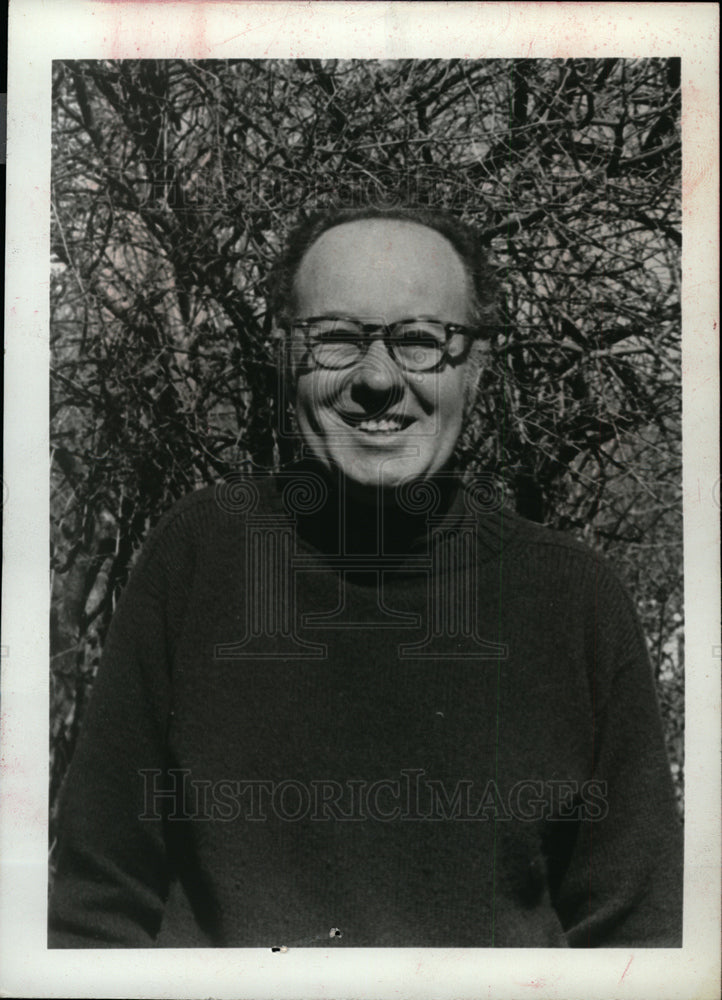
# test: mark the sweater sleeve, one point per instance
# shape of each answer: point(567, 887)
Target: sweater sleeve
point(111, 877)
point(623, 885)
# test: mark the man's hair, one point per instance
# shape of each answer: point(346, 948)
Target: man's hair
point(464, 239)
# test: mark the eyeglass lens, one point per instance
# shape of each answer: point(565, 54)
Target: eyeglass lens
point(416, 345)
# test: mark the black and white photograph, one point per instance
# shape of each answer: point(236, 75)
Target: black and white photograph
point(368, 619)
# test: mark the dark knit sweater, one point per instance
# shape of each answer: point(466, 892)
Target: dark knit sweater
point(463, 748)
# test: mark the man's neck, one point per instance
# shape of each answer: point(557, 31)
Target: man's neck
point(368, 521)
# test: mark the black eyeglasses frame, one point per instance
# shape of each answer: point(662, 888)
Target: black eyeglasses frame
point(386, 334)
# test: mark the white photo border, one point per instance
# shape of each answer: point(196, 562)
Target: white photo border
point(41, 31)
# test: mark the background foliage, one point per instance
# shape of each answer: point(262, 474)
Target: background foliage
point(174, 184)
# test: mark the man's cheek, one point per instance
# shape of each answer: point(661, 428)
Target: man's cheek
point(319, 391)
point(316, 417)
point(308, 397)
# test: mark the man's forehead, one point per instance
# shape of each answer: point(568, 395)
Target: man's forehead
point(380, 240)
point(389, 255)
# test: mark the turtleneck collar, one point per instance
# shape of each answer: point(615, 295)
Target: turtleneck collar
point(333, 518)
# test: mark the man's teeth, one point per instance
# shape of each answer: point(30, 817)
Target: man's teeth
point(380, 426)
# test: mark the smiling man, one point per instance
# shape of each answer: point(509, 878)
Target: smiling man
point(358, 702)
point(381, 360)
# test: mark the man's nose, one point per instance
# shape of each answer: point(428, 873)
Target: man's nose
point(377, 373)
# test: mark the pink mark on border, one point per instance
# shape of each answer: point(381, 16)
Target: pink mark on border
point(626, 968)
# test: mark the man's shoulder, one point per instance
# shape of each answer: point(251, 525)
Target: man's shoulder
point(223, 505)
point(558, 559)
point(521, 531)
point(498, 522)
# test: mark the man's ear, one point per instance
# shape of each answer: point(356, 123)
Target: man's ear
point(285, 362)
point(475, 364)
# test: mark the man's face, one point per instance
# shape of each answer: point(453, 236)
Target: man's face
point(378, 424)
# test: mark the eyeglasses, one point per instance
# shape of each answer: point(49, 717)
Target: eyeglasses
point(416, 345)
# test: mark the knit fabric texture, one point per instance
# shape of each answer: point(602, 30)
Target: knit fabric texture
point(319, 725)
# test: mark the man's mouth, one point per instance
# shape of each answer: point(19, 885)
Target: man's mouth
point(390, 424)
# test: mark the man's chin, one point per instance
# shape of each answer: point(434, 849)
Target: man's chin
point(384, 477)
point(366, 471)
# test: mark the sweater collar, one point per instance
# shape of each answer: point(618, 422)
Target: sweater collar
point(423, 514)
